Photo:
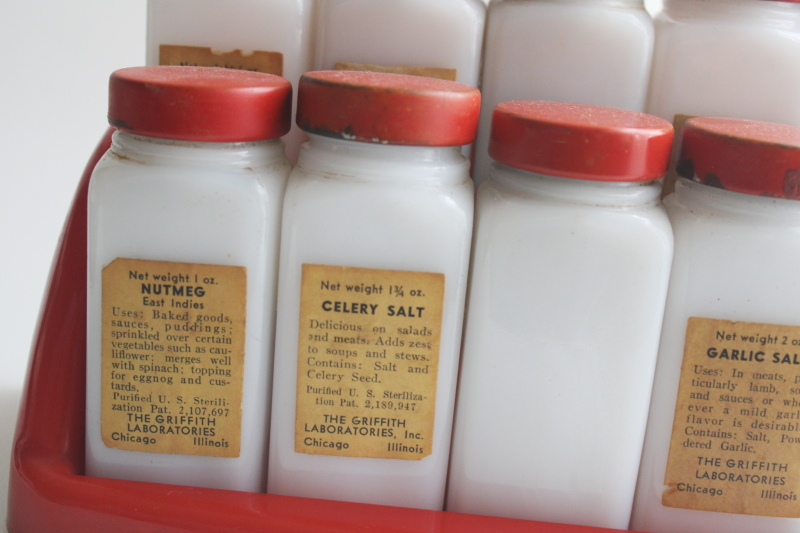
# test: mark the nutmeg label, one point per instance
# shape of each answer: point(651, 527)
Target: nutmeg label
point(736, 432)
point(367, 362)
point(172, 357)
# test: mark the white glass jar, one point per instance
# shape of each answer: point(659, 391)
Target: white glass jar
point(377, 227)
point(720, 451)
point(586, 51)
point(441, 39)
point(726, 58)
point(184, 221)
point(272, 36)
point(570, 265)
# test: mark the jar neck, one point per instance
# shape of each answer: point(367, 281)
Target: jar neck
point(704, 198)
point(353, 160)
point(150, 150)
point(568, 190)
point(775, 13)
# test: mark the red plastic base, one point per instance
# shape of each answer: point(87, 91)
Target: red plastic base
point(48, 492)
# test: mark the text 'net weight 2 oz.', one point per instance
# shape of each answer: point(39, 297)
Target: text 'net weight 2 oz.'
point(173, 357)
point(737, 420)
point(368, 358)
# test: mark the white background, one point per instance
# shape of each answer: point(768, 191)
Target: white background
point(57, 56)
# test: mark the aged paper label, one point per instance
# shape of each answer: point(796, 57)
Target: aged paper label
point(736, 433)
point(173, 357)
point(368, 361)
point(199, 56)
point(448, 74)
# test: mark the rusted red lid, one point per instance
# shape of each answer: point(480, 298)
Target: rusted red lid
point(580, 141)
point(747, 156)
point(203, 104)
point(388, 108)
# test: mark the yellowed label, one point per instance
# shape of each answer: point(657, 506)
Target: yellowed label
point(672, 175)
point(368, 361)
point(200, 56)
point(173, 357)
point(448, 74)
point(736, 433)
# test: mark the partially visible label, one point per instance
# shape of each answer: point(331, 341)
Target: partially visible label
point(448, 74)
point(672, 176)
point(736, 433)
point(173, 357)
point(368, 360)
point(199, 56)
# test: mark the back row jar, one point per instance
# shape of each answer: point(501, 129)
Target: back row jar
point(726, 58)
point(584, 51)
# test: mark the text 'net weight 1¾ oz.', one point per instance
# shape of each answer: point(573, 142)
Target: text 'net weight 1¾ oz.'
point(173, 357)
point(368, 358)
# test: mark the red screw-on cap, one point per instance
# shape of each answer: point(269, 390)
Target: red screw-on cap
point(203, 104)
point(746, 156)
point(580, 141)
point(386, 108)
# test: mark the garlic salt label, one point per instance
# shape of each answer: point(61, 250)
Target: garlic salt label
point(448, 74)
point(200, 56)
point(736, 432)
point(368, 362)
point(172, 357)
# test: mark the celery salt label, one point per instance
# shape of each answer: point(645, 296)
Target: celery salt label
point(373, 336)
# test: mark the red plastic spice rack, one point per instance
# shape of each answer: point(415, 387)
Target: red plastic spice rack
point(48, 492)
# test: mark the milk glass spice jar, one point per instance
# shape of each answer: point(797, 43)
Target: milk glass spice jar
point(724, 427)
point(726, 58)
point(571, 259)
point(271, 36)
point(184, 222)
point(587, 51)
point(377, 227)
point(440, 39)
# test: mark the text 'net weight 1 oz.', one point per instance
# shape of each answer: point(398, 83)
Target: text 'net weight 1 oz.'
point(173, 357)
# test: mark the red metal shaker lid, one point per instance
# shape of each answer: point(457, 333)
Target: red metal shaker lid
point(746, 156)
point(203, 104)
point(377, 107)
point(580, 141)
